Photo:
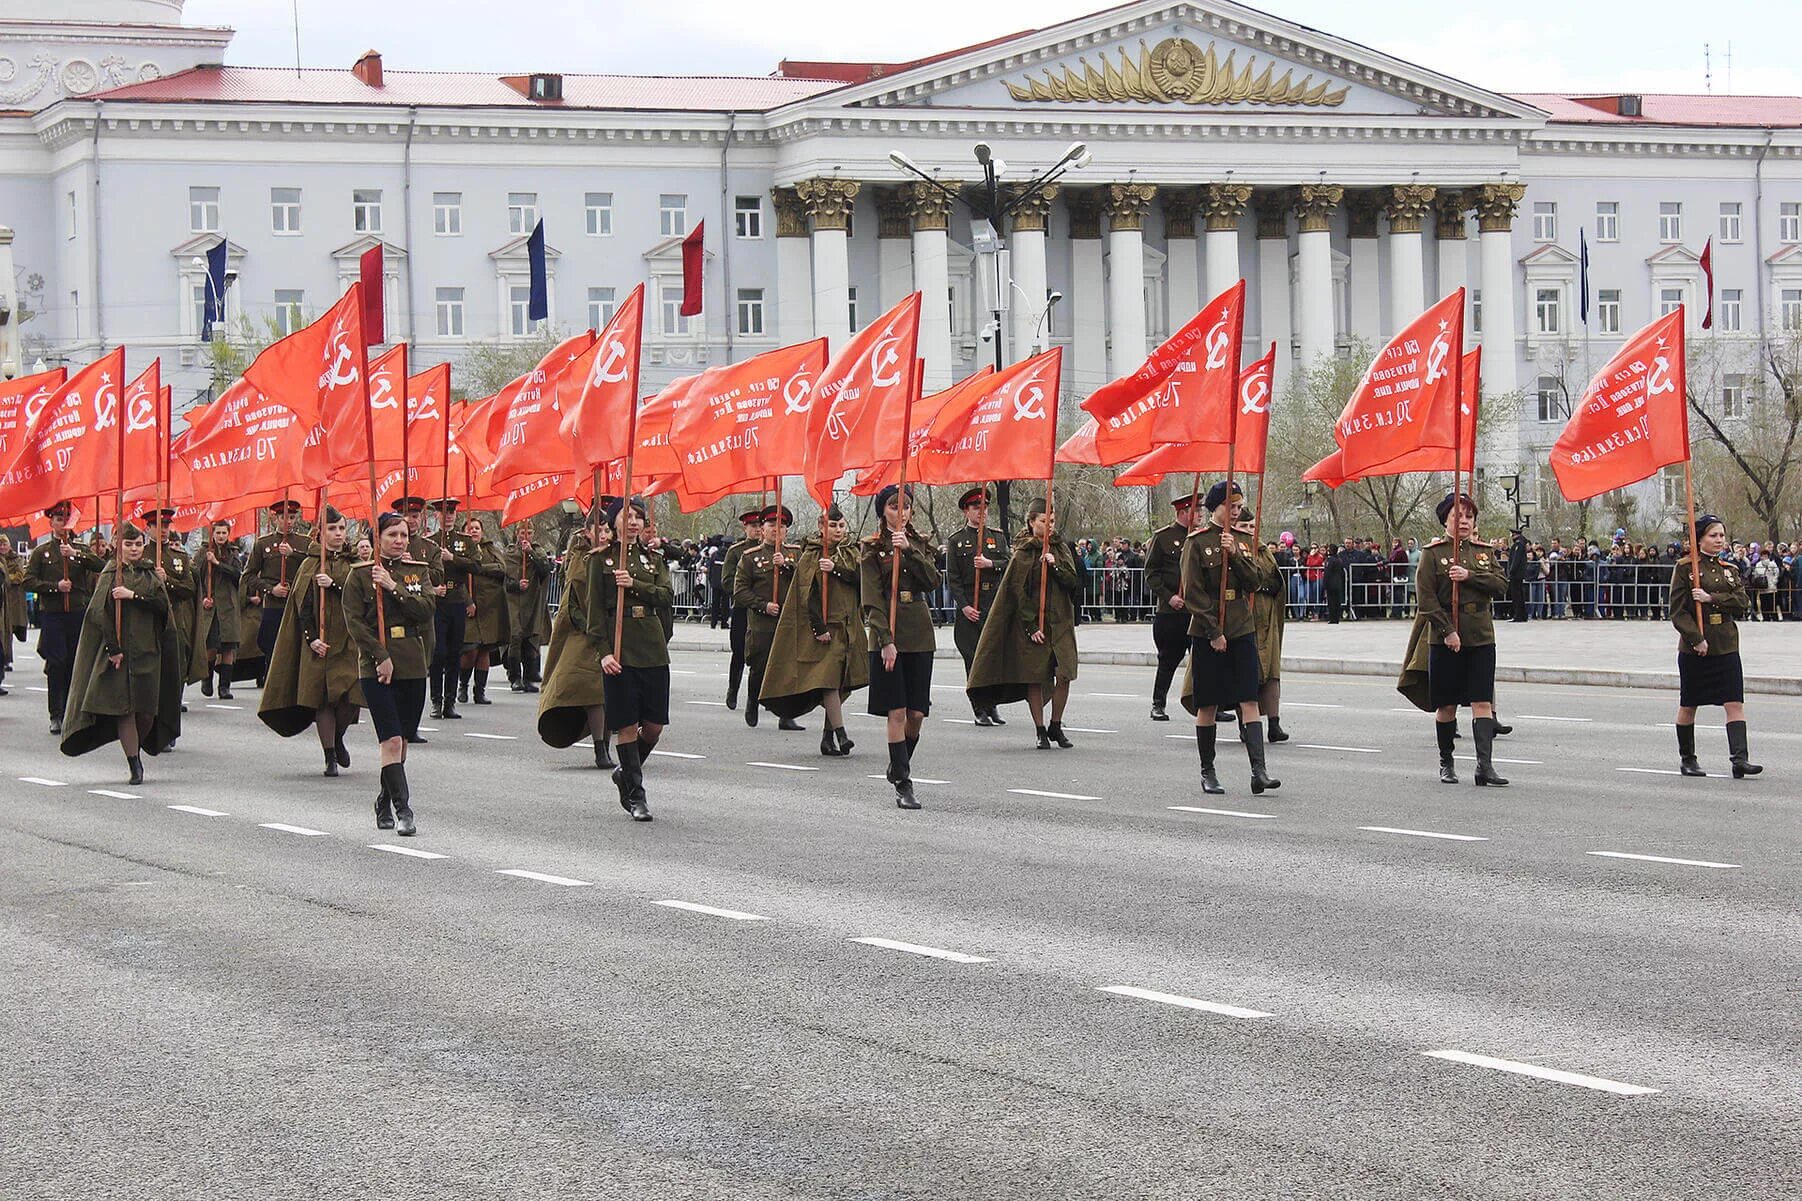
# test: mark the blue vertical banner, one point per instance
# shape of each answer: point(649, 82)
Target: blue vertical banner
point(1583, 274)
point(538, 308)
point(213, 311)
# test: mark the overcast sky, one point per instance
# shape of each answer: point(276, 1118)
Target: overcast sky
point(1651, 46)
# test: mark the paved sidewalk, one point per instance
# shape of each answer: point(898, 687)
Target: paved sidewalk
point(1624, 654)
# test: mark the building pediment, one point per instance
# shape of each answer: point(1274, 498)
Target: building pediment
point(1674, 256)
point(514, 251)
point(670, 249)
point(201, 245)
point(354, 251)
point(1549, 255)
point(1191, 56)
point(1789, 256)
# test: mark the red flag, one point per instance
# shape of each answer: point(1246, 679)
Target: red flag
point(1003, 429)
point(523, 424)
point(369, 273)
point(143, 430)
point(1707, 262)
point(347, 439)
point(67, 447)
point(927, 410)
point(318, 369)
point(654, 456)
point(242, 443)
point(428, 407)
point(598, 392)
point(1331, 470)
point(1256, 387)
point(855, 414)
point(1632, 419)
point(1080, 447)
point(1182, 392)
point(20, 401)
point(744, 420)
point(692, 255)
point(1407, 397)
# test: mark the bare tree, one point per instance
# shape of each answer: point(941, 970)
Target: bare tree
point(1745, 405)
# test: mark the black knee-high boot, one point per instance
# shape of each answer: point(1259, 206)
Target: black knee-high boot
point(900, 774)
point(463, 678)
point(630, 778)
point(225, 682)
point(480, 677)
point(1251, 733)
point(1688, 764)
point(1739, 752)
point(1447, 733)
point(751, 696)
point(394, 782)
point(1482, 731)
point(1205, 737)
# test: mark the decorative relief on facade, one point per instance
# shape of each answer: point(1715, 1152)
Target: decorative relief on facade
point(1407, 206)
point(49, 78)
point(828, 200)
point(1034, 210)
point(1315, 204)
point(1496, 204)
point(1177, 71)
point(1126, 204)
point(1449, 207)
point(1224, 204)
point(791, 214)
point(928, 206)
point(14, 92)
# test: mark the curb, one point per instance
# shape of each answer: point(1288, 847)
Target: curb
point(1587, 677)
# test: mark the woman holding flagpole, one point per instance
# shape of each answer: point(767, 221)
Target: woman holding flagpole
point(1019, 656)
point(1707, 598)
point(574, 698)
point(898, 574)
point(485, 632)
point(313, 678)
point(387, 609)
point(627, 586)
point(818, 655)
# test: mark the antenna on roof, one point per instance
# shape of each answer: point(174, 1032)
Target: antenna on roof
point(1707, 70)
point(295, 7)
point(1730, 68)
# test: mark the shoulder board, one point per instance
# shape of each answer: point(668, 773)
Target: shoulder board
point(1438, 541)
point(412, 563)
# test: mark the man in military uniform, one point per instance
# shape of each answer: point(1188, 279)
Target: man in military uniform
point(421, 549)
point(1223, 636)
point(12, 605)
point(451, 585)
point(1170, 627)
point(177, 576)
point(752, 522)
point(760, 587)
point(974, 559)
point(269, 575)
point(528, 615)
point(61, 572)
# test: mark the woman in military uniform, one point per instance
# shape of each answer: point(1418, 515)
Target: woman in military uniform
point(127, 681)
point(60, 571)
point(528, 612)
point(636, 671)
point(218, 568)
point(1016, 658)
point(1268, 605)
point(818, 655)
point(387, 607)
point(900, 658)
point(12, 606)
point(761, 588)
point(485, 632)
point(973, 572)
point(1451, 649)
point(575, 694)
point(1708, 666)
point(313, 677)
point(177, 576)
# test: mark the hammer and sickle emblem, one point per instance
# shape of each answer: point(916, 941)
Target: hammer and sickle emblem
point(1660, 381)
point(1218, 342)
point(610, 364)
point(797, 395)
point(34, 404)
point(381, 393)
point(1031, 405)
point(338, 371)
point(106, 406)
point(1436, 355)
point(1255, 396)
point(140, 412)
point(885, 360)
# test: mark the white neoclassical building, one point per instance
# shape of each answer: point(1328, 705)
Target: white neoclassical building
point(1347, 187)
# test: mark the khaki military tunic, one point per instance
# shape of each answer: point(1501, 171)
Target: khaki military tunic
point(642, 639)
point(52, 562)
point(406, 615)
point(920, 578)
point(757, 583)
point(1720, 628)
point(267, 567)
point(1164, 565)
point(1433, 586)
point(1202, 593)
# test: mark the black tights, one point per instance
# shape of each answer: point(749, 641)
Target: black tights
point(332, 721)
point(133, 729)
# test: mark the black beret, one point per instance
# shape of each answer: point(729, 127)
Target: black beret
point(1217, 494)
point(616, 505)
point(889, 492)
point(1443, 508)
point(129, 532)
point(1703, 521)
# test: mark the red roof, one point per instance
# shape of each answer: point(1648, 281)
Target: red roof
point(1756, 112)
point(848, 72)
point(446, 89)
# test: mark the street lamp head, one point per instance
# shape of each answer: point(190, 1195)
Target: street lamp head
point(1077, 155)
point(983, 153)
point(902, 161)
point(1051, 301)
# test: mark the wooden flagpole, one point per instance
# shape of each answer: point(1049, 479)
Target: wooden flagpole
point(1458, 458)
point(319, 597)
point(907, 421)
point(1050, 517)
point(381, 619)
point(162, 473)
point(619, 532)
point(118, 525)
point(406, 420)
point(781, 529)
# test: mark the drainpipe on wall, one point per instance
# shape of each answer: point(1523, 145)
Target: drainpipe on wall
point(1758, 224)
point(94, 221)
point(726, 238)
point(406, 221)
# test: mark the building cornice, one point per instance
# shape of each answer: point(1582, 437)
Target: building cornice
point(1665, 141)
point(16, 32)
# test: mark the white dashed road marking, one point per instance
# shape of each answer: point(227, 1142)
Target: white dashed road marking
point(287, 829)
point(1426, 834)
point(211, 705)
point(734, 914)
point(494, 737)
point(198, 811)
point(709, 704)
point(1668, 771)
point(916, 949)
point(407, 851)
point(1356, 750)
point(780, 766)
point(675, 754)
point(1056, 796)
point(916, 779)
point(41, 780)
point(1548, 717)
point(117, 796)
point(1534, 1070)
point(1499, 759)
point(1219, 812)
point(1165, 998)
point(1660, 859)
point(1086, 730)
point(565, 881)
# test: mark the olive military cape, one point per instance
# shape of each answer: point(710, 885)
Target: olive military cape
point(1007, 659)
point(299, 682)
point(572, 666)
point(1485, 584)
point(149, 682)
point(801, 667)
point(228, 608)
point(12, 600)
point(489, 626)
point(528, 610)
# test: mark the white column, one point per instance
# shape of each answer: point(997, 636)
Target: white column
point(1126, 275)
point(1408, 206)
point(1496, 204)
point(794, 270)
point(1222, 205)
point(1314, 270)
point(1273, 285)
point(894, 253)
point(1088, 315)
point(1452, 246)
point(929, 208)
point(1364, 286)
point(1028, 299)
point(1182, 261)
point(9, 334)
point(828, 201)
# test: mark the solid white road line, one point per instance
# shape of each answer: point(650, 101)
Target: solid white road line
point(1499, 759)
point(41, 780)
point(1117, 696)
point(212, 705)
point(780, 766)
point(565, 881)
point(734, 914)
point(1310, 705)
point(916, 779)
point(677, 671)
point(709, 704)
point(1669, 771)
point(1220, 812)
point(1086, 730)
point(1357, 750)
point(198, 811)
point(1659, 859)
point(34, 688)
point(955, 721)
point(117, 796)
point(287, 829)
point(1056, 796)
point(1547, 717)
point(1426, 834)
point(1165, 998)
point(1528, 1069)
point(428, 729)
point(672, 754)
point(407, 851)
point(494, 737)
point(916, 949)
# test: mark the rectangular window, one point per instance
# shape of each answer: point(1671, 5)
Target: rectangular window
point(601, 306)
point(1608, 311)
point(1548, 310)
point(853, 309)
point(850, 223)
point(75, 314)
point(450, 312)
point(750, 312)
point(674, 323)
point(1789, 221)
point(599, 209)
point(1671, 489)
point(287, 310)
point(284, 210)
point(1670, 221)
point(1733, 396)
point(1476, 310)
point(1668, 300)
point(672, 215)
point(447, 214)
point(1550, 396)
point(1728, 314)
point(1545, 221)
point(1730, 221)
point(1789, 309)
point(1608, 221)
point(519, 303)
point(203, 210)
point(366, 210)
point(747, 211)
point(522, 212)
point(73, 223)
point(197, 297)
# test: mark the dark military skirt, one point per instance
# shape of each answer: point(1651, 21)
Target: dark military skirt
point(1228, 677)
point(395, 707)
point(637, 694)
point(1466, 677)
point(1709, 680)
point(909, 686)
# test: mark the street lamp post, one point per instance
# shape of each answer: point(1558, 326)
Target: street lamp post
point(991, 211)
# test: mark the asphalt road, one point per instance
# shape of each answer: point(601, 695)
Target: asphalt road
point(225, 983)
